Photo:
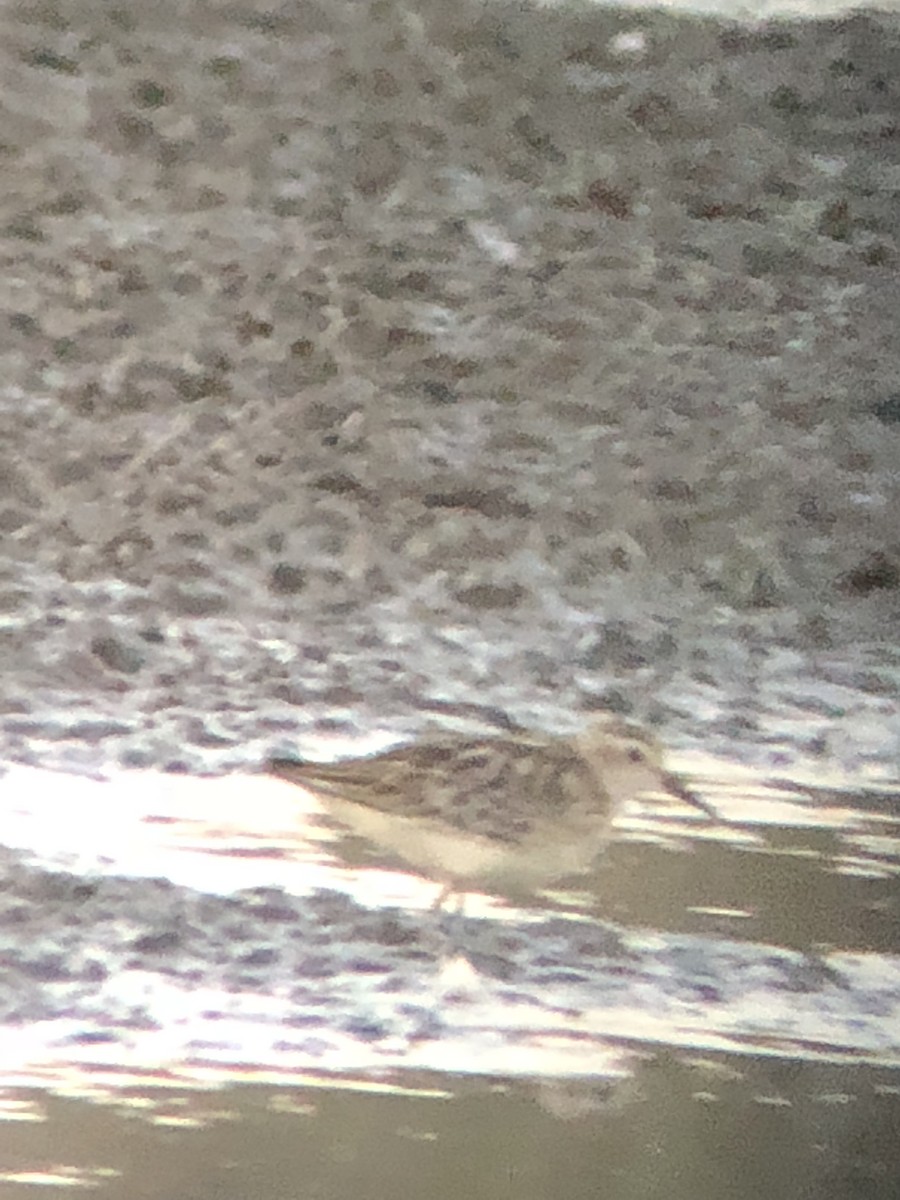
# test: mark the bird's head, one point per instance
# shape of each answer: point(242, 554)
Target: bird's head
point(629, 762)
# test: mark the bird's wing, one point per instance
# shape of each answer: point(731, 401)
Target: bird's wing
point(498, 785)
point(364, 780)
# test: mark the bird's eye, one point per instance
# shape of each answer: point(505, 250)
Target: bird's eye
point(635, 755)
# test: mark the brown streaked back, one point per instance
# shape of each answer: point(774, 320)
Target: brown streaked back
point(499, 785)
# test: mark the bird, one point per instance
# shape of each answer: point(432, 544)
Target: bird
point(509, 813)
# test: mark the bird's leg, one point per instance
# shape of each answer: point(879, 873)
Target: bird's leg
point(447, 918)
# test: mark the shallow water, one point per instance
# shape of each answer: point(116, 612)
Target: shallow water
point(712, 987)
point(682, 1126)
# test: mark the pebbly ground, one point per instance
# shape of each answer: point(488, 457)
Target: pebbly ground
point(366, 363)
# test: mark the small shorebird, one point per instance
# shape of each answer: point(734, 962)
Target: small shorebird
point(511, 813)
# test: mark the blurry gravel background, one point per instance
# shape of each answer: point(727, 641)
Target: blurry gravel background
point(371, 364)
